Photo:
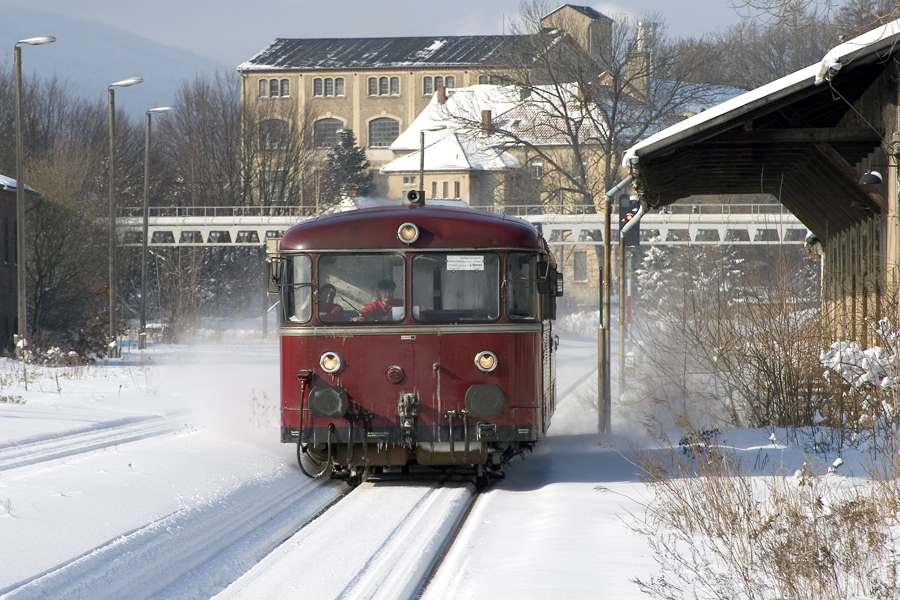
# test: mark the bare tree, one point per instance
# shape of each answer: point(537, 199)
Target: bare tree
point(732, 333)
point(278, 154)
point(782, 37)
point(201, 141)
point(857, 15)
point(576, 111)
point(65, 267)
point(753, 53)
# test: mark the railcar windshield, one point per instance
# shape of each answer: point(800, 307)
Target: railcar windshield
point(366, 288)
point(452, 287)
point(296, 296)
point(446, 287)
point(521, 286)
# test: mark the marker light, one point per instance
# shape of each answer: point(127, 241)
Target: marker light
point(486, 361)
point(408, 233)
point(331, 362)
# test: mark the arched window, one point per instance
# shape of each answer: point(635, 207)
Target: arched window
point(271, 188)
point(383, 132)
point(427, 86)
point(395, 86)
point(328, 86)
point(325, 132)
point(373, 86)
point(438, 82)
point(273, 134)
point(449, 81)
point(274, 88)
point(383, 86)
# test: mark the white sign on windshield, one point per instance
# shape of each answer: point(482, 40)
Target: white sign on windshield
point(465, 263)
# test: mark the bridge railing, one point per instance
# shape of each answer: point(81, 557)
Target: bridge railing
point(524, 210)
point(518, 210)
point(156, 212)
point(566, 225)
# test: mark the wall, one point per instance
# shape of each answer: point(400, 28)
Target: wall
point(8, 287)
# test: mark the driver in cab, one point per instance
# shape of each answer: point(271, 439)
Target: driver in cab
point(381, 309)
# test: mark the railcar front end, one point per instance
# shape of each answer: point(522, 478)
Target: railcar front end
point(414, 335)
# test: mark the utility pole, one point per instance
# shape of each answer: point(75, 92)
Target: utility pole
point(604, 402)
point(605, 421)
point(621, 313)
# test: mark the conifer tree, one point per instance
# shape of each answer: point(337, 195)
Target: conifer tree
point(346, 169)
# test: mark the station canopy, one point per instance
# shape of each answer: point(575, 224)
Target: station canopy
point(804, 138)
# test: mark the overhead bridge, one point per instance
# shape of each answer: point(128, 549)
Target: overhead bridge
point(680, 224)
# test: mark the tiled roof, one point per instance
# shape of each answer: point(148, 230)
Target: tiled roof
point(382, 53)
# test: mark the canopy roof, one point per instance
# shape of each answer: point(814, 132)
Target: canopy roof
point(802, 138)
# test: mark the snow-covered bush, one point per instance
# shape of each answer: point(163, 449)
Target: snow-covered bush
point(583, 323)
point(867, 382)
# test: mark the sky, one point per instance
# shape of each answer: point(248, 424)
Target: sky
point(232, 31)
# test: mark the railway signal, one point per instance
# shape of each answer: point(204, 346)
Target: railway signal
point(628, 209)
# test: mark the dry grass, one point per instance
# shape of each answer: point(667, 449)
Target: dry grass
point(719, 532)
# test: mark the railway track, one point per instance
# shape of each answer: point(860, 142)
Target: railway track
point(383, 540)
point(52, 446)
point(193, 552)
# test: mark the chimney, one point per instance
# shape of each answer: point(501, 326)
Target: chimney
point(637, 71)
point(486, 123)
point(441, 94)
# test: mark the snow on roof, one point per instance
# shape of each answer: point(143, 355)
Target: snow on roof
point(10, 184)
point(868, 43)
point(7, 183)
point(391, 52)
point(462, 104)
point(454, 151)
point(457, 146)
point(460, 144)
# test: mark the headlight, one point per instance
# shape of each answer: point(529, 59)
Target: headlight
point(486, 361)
point(408, 233)
point(331, 362)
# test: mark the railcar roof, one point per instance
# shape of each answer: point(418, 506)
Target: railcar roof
point(440, 227)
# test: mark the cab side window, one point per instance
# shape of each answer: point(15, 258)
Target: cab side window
point(521, 286)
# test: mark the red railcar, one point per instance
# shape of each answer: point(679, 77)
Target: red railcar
point(455, 365)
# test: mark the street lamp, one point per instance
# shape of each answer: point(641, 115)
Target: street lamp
point(421, 199)
point(142, 339)
point(111, 95)
point(20, 183)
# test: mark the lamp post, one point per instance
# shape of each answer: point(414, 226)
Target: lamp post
point(111, 96)
point(20, 184)
point(142, 339)
point(421, 199)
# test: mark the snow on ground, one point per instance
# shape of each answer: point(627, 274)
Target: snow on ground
point(101, 521)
